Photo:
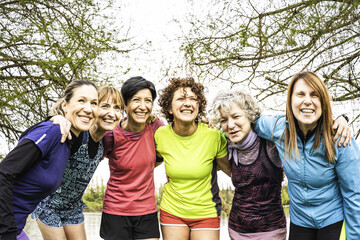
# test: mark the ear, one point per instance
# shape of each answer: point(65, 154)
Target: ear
point(170, 111)
point(64, 105)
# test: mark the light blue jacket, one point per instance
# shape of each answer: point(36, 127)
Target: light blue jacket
point(320, 193)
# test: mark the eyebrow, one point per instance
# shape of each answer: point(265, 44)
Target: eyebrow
point(87, 97)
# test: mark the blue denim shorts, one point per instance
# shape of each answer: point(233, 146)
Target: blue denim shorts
point(58, 218)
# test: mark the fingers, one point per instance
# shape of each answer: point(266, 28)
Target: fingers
point(342, 133)
point(347, 139)
point(337, 129)
point(151, 118)
point(65, 131)
point(63, 138)
point(69, 136)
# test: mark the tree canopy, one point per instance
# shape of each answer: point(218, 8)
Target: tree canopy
point(262, 43)
point(46, 44)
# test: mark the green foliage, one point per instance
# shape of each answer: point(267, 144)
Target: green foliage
point(94, 197)
point(159, 195)
point(226, 196)
point(43, 46)
point(285, 195)
point(263, 43)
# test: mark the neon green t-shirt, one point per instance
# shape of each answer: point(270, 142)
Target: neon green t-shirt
point(192, 190)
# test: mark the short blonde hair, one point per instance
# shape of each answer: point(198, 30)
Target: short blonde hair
point(105, 92)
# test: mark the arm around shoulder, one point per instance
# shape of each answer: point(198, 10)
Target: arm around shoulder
point(224, 164)
point(266, 125)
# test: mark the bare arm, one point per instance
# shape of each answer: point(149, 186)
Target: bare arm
point(65, 126)
point(224, 164)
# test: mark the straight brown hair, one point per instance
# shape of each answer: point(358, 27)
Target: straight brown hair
point(325, 122)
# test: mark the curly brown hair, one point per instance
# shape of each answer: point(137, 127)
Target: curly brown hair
point(167, 94)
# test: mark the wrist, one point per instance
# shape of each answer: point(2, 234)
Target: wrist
point(344, 116)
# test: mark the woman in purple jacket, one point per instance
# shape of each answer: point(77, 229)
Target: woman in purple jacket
point(35, 167)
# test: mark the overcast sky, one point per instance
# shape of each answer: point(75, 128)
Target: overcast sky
point(153, 21)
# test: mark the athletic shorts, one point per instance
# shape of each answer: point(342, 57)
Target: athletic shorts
point(58, 218)
point(330, 232)
point(115, 227)
point(212, 223)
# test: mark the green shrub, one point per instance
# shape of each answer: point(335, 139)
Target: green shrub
point(93, 198)
point(284, 195)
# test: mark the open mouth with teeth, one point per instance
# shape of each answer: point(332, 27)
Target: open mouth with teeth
point(140, 114)
point(109, 120)
point(307, 110)
point(186, 111)
point(85, 119)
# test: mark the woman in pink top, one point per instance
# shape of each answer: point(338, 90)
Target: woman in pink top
point(129, 210)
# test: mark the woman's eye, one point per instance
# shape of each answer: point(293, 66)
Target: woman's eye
point(314, 95)
point(94, 103)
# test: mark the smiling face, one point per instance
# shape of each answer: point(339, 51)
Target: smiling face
point(139, 107)
point(235, 124)
point(305, 105)
point(81, 109)
point(184, 105)
point(109, 114)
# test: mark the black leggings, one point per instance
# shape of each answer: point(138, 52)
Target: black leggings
point(331, 232)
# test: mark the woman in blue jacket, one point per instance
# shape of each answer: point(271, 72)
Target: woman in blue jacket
point(324, 181)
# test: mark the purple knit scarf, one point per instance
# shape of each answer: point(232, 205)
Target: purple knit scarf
point(234, 147)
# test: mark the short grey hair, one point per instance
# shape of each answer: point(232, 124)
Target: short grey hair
point(225, 99)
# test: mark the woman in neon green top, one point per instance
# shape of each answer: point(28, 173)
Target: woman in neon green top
point(190, 205)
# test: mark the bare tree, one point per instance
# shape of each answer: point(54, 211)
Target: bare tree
point(263, 43)
point(43, 46)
